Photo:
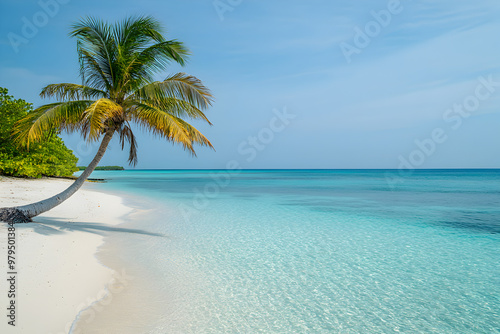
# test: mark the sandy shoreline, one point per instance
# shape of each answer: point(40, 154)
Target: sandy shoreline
point(58, 274)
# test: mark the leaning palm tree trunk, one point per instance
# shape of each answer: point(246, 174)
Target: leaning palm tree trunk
point(24, 213)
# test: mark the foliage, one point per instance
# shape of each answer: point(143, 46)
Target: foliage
point(118, 63)
point(49, 157)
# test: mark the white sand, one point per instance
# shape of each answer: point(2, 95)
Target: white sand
point(58, 274)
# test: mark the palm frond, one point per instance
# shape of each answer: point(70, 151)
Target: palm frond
point(133, 32)
point(126, 134)
point(140, 68)
point(71, 92)
point(101, 115)
point(66, 116)
point(159, 55)
point(168, 126)
point(91, 72)
point(143, 51)
point(176, 107)
point(97, 44)
point(179, 86)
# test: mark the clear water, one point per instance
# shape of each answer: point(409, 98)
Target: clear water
point(318, 251)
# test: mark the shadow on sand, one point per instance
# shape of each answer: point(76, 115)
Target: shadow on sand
point(53, 226)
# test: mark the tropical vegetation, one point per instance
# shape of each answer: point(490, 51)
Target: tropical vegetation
point(50, 158)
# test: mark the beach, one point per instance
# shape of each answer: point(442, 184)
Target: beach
point(58, 273)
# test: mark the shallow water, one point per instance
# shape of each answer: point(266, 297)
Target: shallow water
point(317, 251)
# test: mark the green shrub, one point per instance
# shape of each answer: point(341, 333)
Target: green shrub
point(47, 158)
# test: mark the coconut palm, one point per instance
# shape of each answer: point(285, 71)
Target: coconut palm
point(117, 65)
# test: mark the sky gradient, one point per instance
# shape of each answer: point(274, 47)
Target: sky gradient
point(298, 84)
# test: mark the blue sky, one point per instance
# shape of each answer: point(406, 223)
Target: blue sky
point(410, 93)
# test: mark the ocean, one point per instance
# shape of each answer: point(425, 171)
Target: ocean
point(313, 251)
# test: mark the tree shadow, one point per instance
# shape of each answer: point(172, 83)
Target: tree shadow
point(54, 226)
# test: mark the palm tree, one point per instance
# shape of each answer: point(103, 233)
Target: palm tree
point(117, 65)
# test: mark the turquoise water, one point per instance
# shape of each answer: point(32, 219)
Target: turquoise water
point(318, 251)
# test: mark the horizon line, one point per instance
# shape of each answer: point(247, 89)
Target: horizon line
point(381, 169)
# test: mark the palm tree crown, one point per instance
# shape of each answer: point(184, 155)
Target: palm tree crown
point(117, 66)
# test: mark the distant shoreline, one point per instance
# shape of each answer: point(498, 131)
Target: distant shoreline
point(80, 168)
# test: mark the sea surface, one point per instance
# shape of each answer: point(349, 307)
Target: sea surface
point(316, 251)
